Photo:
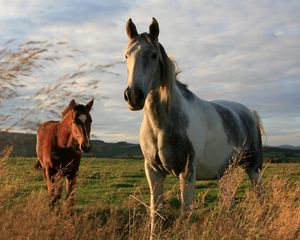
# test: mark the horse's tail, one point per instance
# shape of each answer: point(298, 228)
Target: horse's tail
point(37, 165)
point(259, 123)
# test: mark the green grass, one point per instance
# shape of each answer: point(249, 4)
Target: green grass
point(112, 182)
point(112, 197)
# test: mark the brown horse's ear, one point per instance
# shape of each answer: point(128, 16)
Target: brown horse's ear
point(89, 105)
point(72, 104)
point(131, 29)
point(154, 29)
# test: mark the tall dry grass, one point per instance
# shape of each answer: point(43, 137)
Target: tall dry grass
point(21, 65)
point(230, 217)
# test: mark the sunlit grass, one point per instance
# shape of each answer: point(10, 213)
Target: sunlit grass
point(112, 198)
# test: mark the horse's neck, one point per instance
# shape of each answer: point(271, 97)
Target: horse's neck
point(159, 112)
point(64, 136)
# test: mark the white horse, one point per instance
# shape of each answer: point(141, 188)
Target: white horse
point(181, 134)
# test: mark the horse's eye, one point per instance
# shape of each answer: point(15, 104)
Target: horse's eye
point(126, 56)
point(154, 55)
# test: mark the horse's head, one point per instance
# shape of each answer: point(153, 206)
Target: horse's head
point(81, 124)
point(145, 59)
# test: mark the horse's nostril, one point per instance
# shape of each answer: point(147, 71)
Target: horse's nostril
point(134, 97)
point(86, 147)
point(139, 95)
point(126, 95)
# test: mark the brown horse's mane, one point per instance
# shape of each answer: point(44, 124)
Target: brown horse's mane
point(66, 110)
point(77, 107)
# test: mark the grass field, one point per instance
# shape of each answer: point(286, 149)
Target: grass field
point(112, 197)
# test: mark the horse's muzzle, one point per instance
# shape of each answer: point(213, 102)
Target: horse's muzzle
point(134, 98)
point(86, 147)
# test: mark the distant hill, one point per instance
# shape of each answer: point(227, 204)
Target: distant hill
point(281, 155)
point(24, 146)
point(289, 147)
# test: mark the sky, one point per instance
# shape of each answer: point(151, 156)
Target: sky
point(245, 51)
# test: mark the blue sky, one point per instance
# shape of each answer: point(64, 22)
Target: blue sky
point(245, 51)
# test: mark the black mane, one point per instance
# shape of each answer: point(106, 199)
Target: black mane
point(78, 108)
point(184, 90)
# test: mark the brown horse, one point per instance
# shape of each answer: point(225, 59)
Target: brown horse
point(59, 148)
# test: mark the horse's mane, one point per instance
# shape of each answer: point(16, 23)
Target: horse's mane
point(77, 107)
point(168, 76)
point(184, 90)
point(66, 110)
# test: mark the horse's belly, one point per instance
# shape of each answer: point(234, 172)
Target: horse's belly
point(209, 172)
point(211, 165)
point(210, 145)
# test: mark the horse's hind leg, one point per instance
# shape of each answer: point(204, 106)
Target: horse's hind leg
point(47, 176)
point(37, 165)
point(255, 176)
point(256, 180)
point(253, 167)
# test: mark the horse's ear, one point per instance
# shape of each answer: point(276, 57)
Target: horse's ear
point(131, 29)
point(89, 105)
point(154, 29)
point(72, 104)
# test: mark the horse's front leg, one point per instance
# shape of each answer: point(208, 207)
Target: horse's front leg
point(70, 189)
point(54, 185)
point(58, 187)
point(187, 188)
point(155, 181)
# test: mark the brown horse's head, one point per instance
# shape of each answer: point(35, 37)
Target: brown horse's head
point(81, 124)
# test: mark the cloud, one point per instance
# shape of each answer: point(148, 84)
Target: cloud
point(244, 51)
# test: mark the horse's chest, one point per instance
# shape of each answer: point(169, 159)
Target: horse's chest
point(65, 160)
point(172, 149)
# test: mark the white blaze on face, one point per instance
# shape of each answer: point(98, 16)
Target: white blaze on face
point(85, 140)
point(131, 61)
point(82, 118)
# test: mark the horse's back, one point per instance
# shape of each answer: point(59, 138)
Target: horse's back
point(46, 130)
point(45, 137)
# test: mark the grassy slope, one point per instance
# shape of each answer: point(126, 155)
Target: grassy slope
point(112, 181)
point(111, 197)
